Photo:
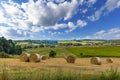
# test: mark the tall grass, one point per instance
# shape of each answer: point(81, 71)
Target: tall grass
point(113, 74)
point(57, 74)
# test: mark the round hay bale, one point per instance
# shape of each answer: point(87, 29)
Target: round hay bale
point(34, 58)
point(70, 59)
point(109, 60)
point(44, 57)
point(96, 60)
point(24, 57)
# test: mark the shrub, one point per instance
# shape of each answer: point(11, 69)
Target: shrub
point(4, 55)
point(52, 53)
point(81, 54)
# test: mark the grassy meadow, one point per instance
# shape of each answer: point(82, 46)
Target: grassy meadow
point(101, 51)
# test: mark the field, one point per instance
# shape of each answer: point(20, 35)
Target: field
point(82, 69)
point(101, 51)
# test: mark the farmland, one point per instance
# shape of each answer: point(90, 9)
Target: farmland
point(102, 51)
point(14, 69)
point(82, 69)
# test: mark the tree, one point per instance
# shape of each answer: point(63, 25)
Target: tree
point(18, 49)
point(9, 47)
point(41, 46)
point(52, 53)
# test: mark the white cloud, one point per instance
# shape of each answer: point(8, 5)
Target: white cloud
point(72, 26)
point(85, 10)
point(54, 33)
point(81, 23)
point(113, 33)
point(60, 1)
point(109, 6)
point(97, 15)
point(92, 1)
point(100, 32)
point(38, 16)
point(10, 32)
point(49, 14)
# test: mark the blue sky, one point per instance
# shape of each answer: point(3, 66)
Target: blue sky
point(60, 19)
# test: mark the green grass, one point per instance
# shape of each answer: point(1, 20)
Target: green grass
point(101, 51)
point(45, 51)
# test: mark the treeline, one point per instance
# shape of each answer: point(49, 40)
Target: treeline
point(46, 42)
point(36, 46)
point(9, 47)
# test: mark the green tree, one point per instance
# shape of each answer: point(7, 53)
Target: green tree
point(18, 49)
point(9, 47)
point(52, 53)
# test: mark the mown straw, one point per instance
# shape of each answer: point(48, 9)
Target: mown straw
point(34, 58)
point(96, 60)
point(44, 57)
point(24, 57)
point(70, 59)
point(109, 60)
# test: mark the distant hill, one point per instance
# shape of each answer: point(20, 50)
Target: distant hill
point(69, 42)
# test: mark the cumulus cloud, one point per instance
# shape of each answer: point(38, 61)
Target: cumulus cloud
point(109, 6)
point(54, 33)
point(72, 26)
point(10, 32)
point(92, 1)
point(40, 15)
point(37, 13)
point(113, 33)
point(81, 23)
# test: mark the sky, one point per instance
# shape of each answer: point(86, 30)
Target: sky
point(60, 19)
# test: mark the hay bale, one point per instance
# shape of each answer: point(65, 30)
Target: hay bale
point(35, 58)
point(24, 57)
point(44, 57)
point(109, 60)
point(96, 60)
point(70, 59)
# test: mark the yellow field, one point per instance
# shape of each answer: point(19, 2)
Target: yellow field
point(82, 64)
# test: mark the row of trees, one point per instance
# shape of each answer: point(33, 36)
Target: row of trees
point(36, 46)
point(9, 47)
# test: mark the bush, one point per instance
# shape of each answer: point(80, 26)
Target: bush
point(41, 46)
point(81, 54)
point(4, 55)
point(52, 53)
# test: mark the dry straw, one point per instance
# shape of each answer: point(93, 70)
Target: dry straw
point(70, 59)
point(109, 60)
point(24, 57)
point(44, 57)
point(96, 60)
point(35, 58)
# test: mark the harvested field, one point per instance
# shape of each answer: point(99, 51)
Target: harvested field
point(82, 64)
